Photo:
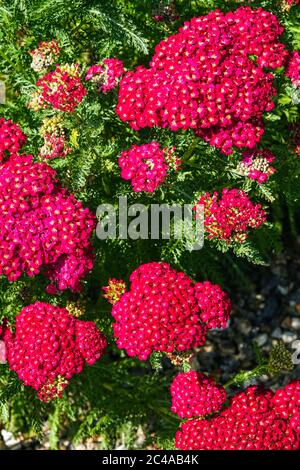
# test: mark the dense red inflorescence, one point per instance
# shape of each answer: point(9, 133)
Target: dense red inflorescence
point(49, 346)
point(62, 89)
point(194, 394)
point(293, 69)
point(106, 75)
point(12, 138)
point(147, 165)
point(214, 303)
point(42, 225)
point(256, 165)
point(255, 419)
point(161, 312)
point(210, 77)
point(231, 215)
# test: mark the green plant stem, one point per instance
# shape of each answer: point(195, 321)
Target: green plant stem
point(188, 153)
point(243, 376)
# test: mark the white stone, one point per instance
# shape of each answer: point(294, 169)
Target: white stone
point(277, 333)
point(288, 337)
point(261, 339)
point(295, 323)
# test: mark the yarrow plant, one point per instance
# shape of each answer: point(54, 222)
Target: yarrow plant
point(97, 131)
point(61, 89)
point(194, 394)
point(106, 75)
point(147, 165)
point(204, 78)
point(255, 419)
point(42, 225)
point(256, 165)
point(161, 312)
point(231, 215)
point(44, 55)
point(214, 303)
point(49, 346)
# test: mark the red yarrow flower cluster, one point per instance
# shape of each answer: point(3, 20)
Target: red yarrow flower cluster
point(11, 138)
point(209, 77)
point(146, 166)
point(159, 313)
point(214, 303)
point(42, 226)
point(293, 69)
point(106, 75)
point(44, 55)
point(49, 346)
point(256, 165)
point(62, 89)
point(229, 217)
point(255, 419)
point(194, 394)
point(287, 402)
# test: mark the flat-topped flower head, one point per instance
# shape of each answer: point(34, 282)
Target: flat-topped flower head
point(256, 165)
point(12, 138)
point(293, 69)
point(214, 303)
point(194, 394)
point(160, 312)
point(114, 290)
point(43, 226)
point(210, 77)
point(255, 419)
point(62, 89)
point(147, 165)
point(49, 346)
point(106, 75)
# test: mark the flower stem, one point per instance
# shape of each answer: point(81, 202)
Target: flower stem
point(243, 376)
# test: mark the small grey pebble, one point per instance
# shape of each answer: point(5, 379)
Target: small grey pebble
point(288, 337)
point(284, 290)
point(277, 333)
point(261, 339)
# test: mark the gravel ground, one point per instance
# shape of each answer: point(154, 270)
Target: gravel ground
point(267, 313)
